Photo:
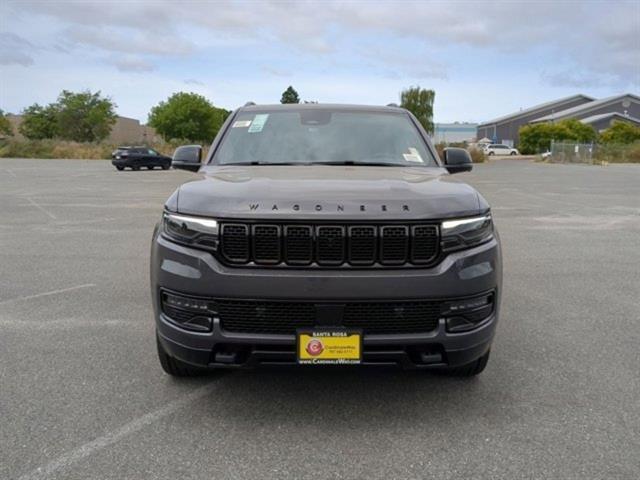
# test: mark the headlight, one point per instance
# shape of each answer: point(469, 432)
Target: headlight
point(466, 232)
point(197, 232)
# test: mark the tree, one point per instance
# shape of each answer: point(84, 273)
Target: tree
point(573, 129)
point(5, 125)
point(537, 138)
point(39, 122)
point(84, 116)
point(620, 132)
point(187, 116)
point(290, 96)
point(419, 101)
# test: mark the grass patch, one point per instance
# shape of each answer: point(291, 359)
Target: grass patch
point(617, 153)
point(11, 148)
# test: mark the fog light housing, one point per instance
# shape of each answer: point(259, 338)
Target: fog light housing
point(466, 314)
point(188, 312)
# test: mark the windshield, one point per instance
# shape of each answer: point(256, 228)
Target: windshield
point(323, 136)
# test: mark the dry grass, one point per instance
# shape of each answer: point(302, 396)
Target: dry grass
point(477, 155)
point(606, 154)
point(63, 149)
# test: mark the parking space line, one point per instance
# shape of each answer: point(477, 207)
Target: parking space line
point(35, 204)
point(45, 294)
point(111, 438)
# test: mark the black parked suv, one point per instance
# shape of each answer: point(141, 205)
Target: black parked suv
point(136, 157)
point(324, 234)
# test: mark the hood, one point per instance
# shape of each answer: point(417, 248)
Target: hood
point(327, 192)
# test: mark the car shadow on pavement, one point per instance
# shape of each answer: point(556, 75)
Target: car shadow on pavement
point(332, 397)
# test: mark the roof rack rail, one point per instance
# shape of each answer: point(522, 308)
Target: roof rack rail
point(249, 104)
point(392, 104)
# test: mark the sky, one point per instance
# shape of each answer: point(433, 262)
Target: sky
point(483, 59)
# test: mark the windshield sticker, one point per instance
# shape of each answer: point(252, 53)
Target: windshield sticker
point(241, 124)
point(258, 123)
point(413, 156)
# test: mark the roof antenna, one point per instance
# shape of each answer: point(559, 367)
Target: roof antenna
point(392, 104)
point(249, 104)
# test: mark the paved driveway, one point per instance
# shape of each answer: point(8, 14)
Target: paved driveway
point(82, 395)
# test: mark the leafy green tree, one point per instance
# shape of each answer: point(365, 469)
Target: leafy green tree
point(575, 130)
point(187, 116)
point(537, 138)
point(84, 116)
point(39, 122)
point(419, 101)
point(620, 132)
point(290, 96)
point(5, 125)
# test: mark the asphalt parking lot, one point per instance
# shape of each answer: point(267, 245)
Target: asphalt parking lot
point(82, 395)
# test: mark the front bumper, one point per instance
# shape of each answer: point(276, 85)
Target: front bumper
point(198, 273)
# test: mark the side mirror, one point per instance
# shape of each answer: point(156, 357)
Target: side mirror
point(187, 157)
point(457, 160)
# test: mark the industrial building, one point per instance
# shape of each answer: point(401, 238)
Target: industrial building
point(456, 132)
point(598, 113)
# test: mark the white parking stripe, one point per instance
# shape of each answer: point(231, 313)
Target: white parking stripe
point(111, 438)
point(45, 294)
point(47, 212)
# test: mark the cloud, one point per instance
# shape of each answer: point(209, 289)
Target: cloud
point(594, 36)
point(576, 78)
point(15, 50)
point(398, 63)
point(131, 63)
point(193, 81)
point(134, 42)
point(275, 72)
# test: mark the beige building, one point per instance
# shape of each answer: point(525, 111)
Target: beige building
point(126, 131)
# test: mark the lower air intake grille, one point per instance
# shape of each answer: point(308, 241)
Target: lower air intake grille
point(249, 316)
point(265, 317)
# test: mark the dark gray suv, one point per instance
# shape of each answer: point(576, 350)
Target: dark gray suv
point(325, 235)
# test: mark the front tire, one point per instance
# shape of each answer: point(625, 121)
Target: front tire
point(512, 154)
point(173, 366)
point(470, 369)
point(119, 168)
point(491, 153)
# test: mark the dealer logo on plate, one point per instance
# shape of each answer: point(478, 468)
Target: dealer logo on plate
point(314, 347)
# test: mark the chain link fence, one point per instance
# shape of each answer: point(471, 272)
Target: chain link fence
point(592, 153)
point(568, 152)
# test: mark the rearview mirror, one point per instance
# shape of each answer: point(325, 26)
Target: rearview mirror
point(457, 160)
point(187, 157)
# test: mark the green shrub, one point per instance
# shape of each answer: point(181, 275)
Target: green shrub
point(621, 133)
point(537, 138)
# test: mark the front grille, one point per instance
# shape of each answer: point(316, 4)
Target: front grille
point(329, 245)
point(394, 245)
point(235, 246)
point(250, 316)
